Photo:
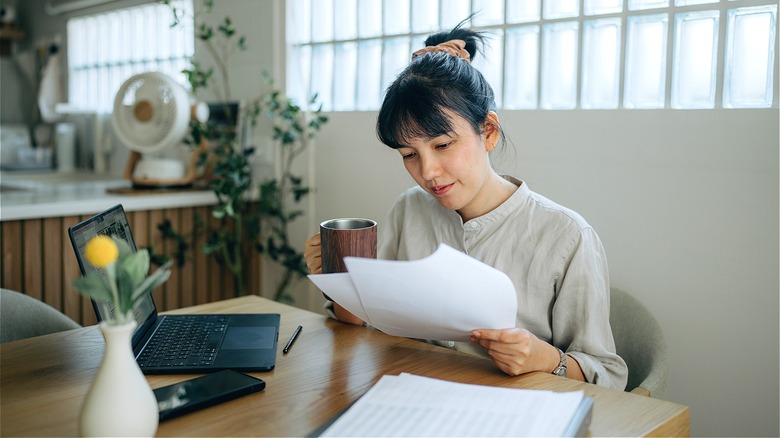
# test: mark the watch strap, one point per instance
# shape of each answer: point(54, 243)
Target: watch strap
point(560, 370)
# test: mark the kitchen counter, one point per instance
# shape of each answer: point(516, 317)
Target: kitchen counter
point(31, 195)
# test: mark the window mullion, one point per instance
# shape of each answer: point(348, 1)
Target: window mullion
point(649, 52)
point(720, 63)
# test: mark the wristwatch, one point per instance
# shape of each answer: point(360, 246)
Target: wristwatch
point(560, 370)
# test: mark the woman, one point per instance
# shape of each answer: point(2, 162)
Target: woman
point(439, 114)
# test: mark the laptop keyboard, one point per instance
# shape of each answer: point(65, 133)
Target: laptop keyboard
point(184, 342)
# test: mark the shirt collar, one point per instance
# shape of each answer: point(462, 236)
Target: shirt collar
point(497, 215)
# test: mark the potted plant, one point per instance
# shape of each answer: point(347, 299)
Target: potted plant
point(248, 211)
point(120, 401)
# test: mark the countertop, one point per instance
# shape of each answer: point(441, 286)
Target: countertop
point(31, 195)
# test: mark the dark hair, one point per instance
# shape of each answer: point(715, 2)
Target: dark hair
point(415, 103)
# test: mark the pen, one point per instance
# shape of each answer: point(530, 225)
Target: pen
point(292, 339)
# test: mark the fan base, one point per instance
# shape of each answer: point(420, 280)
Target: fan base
point(150, 183)
point(156, 169)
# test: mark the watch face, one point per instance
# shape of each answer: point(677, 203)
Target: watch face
point(560, 371)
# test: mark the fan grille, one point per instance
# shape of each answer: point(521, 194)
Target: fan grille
point(147, 112)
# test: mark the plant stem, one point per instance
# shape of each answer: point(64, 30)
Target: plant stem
point(282, 287)
point(238, 263)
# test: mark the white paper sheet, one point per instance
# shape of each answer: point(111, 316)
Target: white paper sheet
point(340, 289)
point(410, 405)
point(443, 297)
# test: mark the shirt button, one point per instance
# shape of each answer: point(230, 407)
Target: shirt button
point(472, 225)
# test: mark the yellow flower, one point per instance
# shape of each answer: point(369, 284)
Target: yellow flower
point(101, 251)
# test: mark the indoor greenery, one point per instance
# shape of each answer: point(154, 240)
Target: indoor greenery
point(119, 278)
point(247, 211)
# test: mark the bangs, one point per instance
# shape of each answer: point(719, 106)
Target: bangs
point(422, 101)
point(412, 110)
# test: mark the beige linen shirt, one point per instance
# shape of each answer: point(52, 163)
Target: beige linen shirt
point(553, 257)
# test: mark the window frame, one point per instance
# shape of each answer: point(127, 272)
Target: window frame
point(500, 30)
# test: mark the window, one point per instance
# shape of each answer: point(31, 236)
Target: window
point(106, 49)
point(546, 54)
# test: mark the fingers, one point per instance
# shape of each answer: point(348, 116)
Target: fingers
point(510, 349)
point(312, 254)
point(504, 336)
point(501, 335)
point(506, 364)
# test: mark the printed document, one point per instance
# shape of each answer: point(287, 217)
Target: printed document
point(441, 297)
point(410, 405)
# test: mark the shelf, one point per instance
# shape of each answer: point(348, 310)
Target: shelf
point(8, 34)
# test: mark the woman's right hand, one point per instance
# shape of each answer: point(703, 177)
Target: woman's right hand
point(312, 253)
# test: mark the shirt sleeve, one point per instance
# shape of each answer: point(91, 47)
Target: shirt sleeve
point(580, 314)
point(390, 232)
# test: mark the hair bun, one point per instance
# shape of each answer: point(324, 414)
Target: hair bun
point(453, 47)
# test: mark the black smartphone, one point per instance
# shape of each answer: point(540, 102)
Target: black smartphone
point(201, 392)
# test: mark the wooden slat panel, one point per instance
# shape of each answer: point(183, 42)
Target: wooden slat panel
point(131, 221)
point(172, 287)
point(254, 267)
point(216, 282)
point(201, 262)
point(2, 272)
point(33, 258)
point(13, 272)
point(187, 272)
point(140, 227)
point(155, 217)
point(228, 285)
point(53, 248)
point(71, 299)
point(38, 259)
point(88, 316)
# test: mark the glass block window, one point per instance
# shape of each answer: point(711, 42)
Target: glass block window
point(695, 52)
point(749, 57)
point(546, 54)
point(645, 71)
point(106, 49)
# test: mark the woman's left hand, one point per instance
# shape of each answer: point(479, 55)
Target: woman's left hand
point(517, 351)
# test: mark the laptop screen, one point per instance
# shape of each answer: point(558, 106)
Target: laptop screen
point(112, 222)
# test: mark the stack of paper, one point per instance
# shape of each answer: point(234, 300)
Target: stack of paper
point(443, 297)
point(409, 405)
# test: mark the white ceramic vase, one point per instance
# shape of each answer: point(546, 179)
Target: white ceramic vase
point(120, 401)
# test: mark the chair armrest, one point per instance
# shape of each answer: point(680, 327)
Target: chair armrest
point(641, 391)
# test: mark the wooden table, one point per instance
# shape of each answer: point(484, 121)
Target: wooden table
point(44, 381)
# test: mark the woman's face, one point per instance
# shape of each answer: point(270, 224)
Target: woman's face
point(454, 167)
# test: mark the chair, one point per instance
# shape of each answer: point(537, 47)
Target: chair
point(22, 316)
point(639, 340)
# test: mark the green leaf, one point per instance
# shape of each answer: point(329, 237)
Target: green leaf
point(151, 282)
point(134, 267)
point(205, 32)
point(123, 247)
point(93, 286)
point(226, 28)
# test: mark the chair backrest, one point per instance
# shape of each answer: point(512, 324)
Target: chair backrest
point(22, 316)
point(640, 341)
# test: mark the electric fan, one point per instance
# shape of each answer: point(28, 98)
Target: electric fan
point(152, 113)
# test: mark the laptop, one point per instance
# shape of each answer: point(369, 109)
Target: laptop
point(168, 344)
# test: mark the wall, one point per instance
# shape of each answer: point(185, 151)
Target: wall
point(15, 108)
point(17, 96)
point(686, 203)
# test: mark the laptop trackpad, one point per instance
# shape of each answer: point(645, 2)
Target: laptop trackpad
point(249, 338)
